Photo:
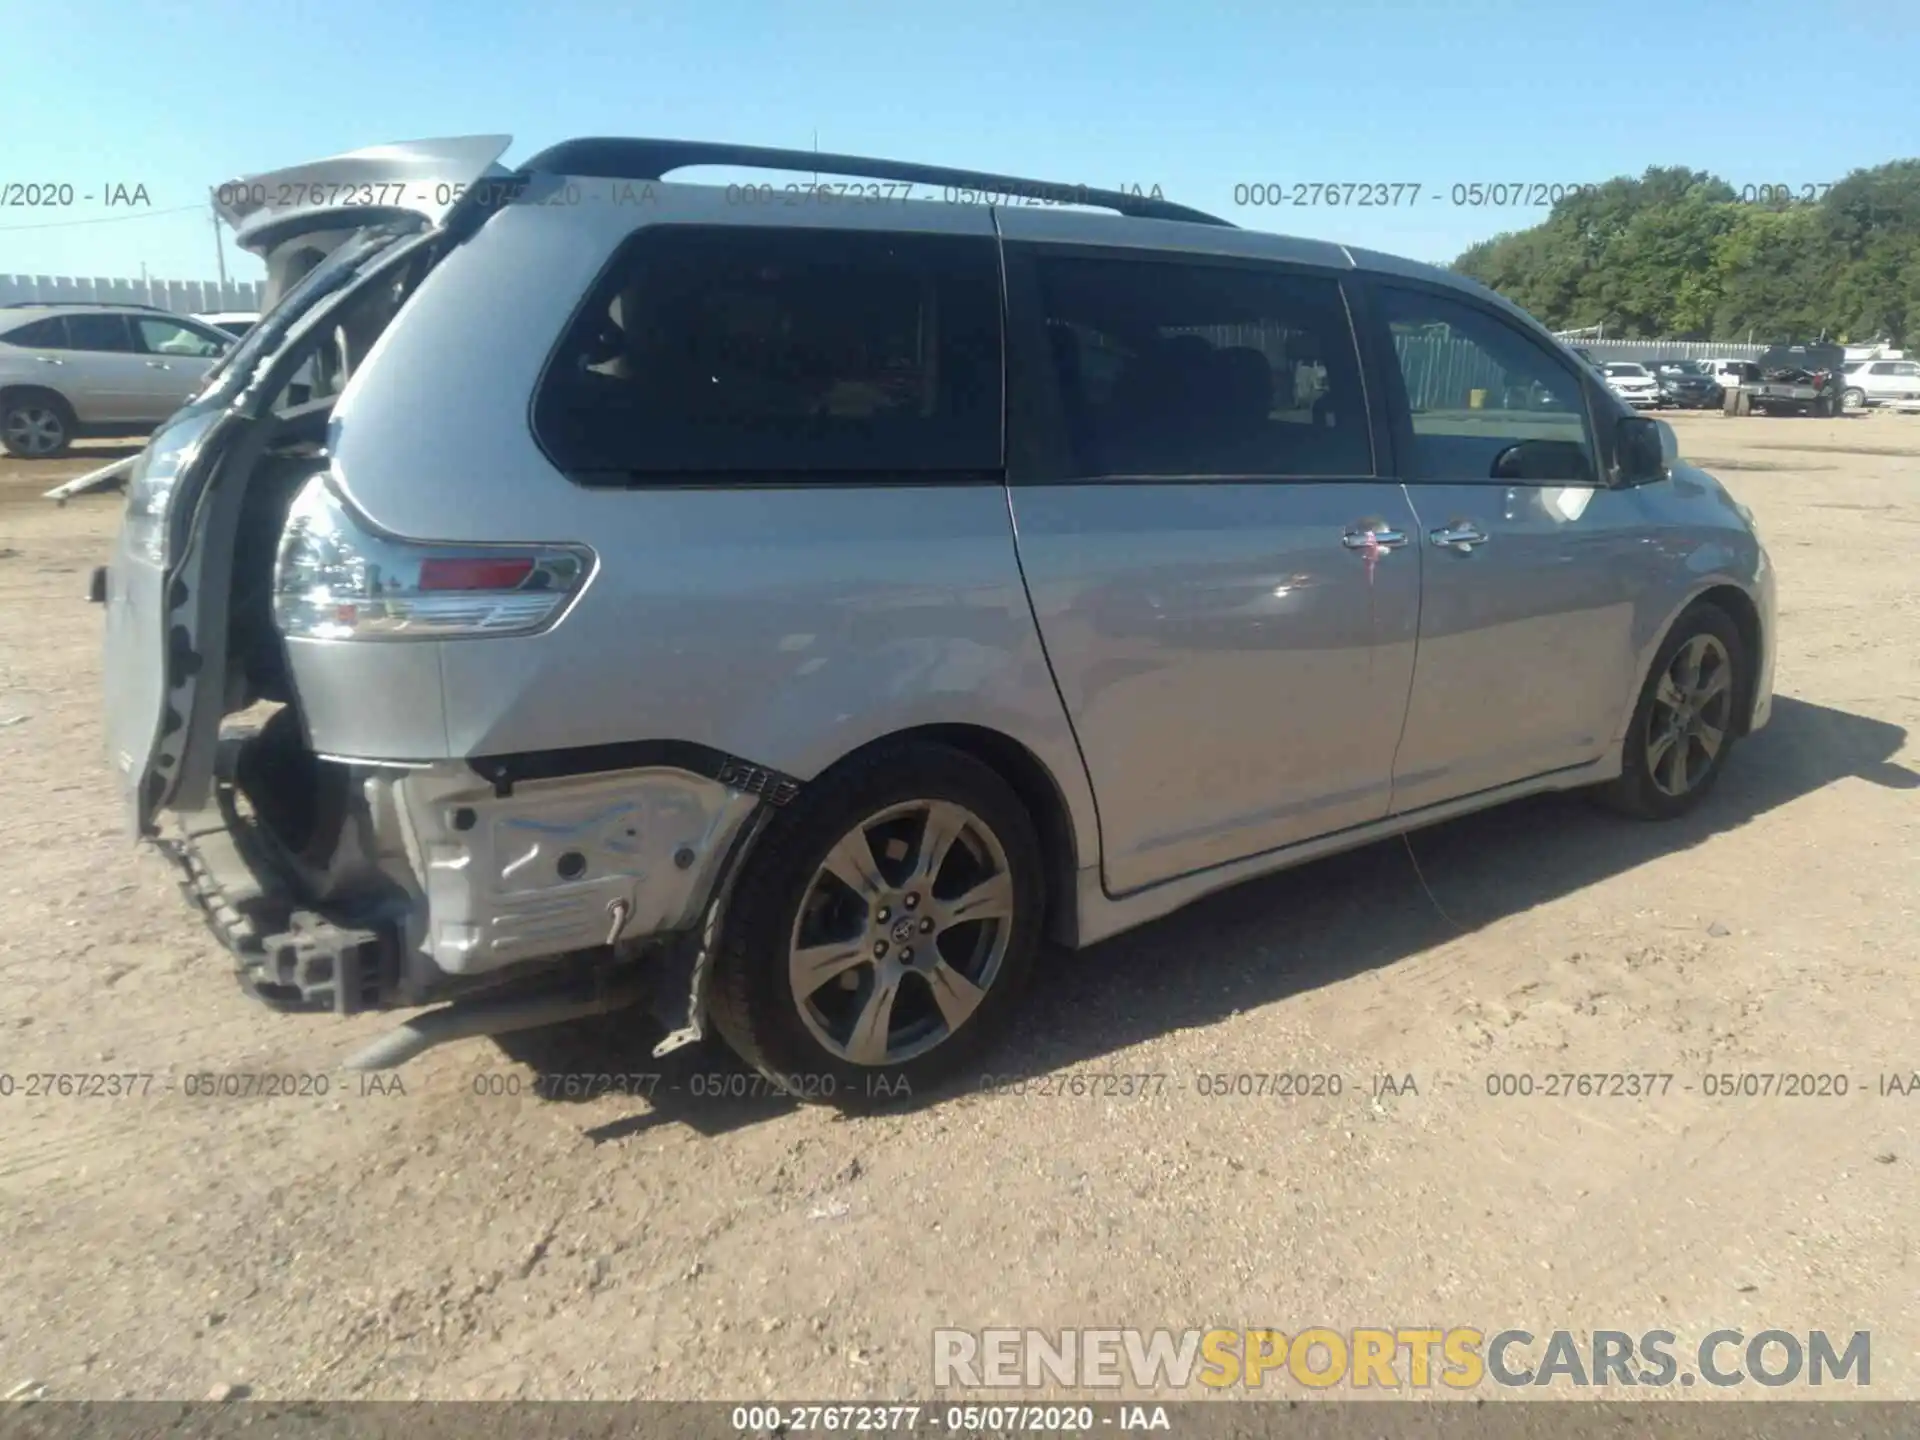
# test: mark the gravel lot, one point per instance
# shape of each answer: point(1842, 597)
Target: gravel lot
point(445, 1243)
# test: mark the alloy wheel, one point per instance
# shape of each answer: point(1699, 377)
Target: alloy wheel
point(1688, 721)
point(901, 932)
point(35, 430)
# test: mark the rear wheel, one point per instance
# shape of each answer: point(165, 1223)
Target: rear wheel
point(1683, 727)
point(883, 929)
point(35, 425)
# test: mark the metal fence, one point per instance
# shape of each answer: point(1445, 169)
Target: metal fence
point(182, 297)
point(1604, 350)
point(1441, 371)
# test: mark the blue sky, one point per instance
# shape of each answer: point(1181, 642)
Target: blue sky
point(1196, 98)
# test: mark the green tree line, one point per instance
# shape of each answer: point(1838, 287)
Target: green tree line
point(1678, 254)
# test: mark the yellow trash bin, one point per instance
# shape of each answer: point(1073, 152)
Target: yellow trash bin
point(1476, 399)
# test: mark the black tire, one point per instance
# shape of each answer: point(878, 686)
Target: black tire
point(27, 411)
point(752, 999)
point(1853, 398)
point(1637, 792)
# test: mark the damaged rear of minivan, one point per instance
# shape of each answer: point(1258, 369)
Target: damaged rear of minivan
point(581, 590)
point(252, 613)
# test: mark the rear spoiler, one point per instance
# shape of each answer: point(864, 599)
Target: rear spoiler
point(294, 218)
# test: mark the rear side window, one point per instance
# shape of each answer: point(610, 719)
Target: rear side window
point(760, 353)
point(99, 332)
point(1181, 369)
point(48, 334)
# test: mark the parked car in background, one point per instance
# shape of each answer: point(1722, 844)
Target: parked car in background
point(1688, 384)
point(1879, 382)
point(70, 372)
point(759, 615)
point(1729, 373)
point(1800, 379)
point(235, 322)
point(1633, 383)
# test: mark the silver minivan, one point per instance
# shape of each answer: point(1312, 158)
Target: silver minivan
point(792, 603)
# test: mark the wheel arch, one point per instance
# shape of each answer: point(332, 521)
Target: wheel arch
point(1738, 606)
point(1037, 790)
point(10, 393)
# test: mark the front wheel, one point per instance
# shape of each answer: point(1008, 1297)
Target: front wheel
point(1853, 398)
point(883, 929)
point(1684, 725)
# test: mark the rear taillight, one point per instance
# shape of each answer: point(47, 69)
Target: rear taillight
point(336, 579)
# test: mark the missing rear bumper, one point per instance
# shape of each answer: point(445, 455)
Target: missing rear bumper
point(287, 955)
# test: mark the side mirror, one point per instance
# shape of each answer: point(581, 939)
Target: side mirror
point(1543, 460)
point(1644, 450)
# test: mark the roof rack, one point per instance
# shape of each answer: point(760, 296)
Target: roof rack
point(637, 159)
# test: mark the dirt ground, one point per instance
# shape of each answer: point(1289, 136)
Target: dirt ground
point(450, 1243)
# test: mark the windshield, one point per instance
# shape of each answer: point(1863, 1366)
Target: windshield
point(1683, 367)
point(1628, 370)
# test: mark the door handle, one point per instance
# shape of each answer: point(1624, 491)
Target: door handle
point(1461, 535)
point(49, 360)
point(1359, 539)
point(158, 365)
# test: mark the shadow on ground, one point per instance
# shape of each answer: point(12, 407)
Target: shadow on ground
point(1274, 937)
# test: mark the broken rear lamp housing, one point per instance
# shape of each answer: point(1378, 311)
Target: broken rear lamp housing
point(337, 578)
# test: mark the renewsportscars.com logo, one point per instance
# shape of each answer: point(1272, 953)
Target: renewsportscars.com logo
point(1392, 1358)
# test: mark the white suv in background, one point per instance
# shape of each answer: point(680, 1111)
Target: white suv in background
point(1878, 382)
point(70, 372)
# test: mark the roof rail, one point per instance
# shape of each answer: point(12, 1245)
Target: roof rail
point(637, 159)
point(103, 304)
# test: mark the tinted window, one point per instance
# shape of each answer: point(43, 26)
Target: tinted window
point(1884, 367)
point(1175, 369)
point(1485, 401)
point(48, 334)
point(168, 337)
point(712, 350)
point(99, 332)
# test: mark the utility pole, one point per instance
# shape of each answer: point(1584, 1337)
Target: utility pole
point(219, 253)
